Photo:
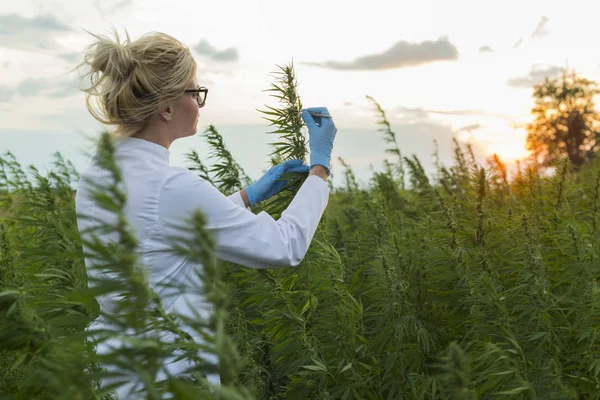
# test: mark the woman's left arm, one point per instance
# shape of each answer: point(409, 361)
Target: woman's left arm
point(238, 199)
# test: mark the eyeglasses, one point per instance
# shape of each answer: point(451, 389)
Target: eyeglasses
point(201, 94)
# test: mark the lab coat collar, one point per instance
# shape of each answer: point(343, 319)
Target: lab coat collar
point(146, 146)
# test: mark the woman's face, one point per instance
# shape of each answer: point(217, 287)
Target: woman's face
point(187, 111)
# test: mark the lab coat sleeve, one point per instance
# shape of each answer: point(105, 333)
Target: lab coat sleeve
point(256, 241)
point(237, 199)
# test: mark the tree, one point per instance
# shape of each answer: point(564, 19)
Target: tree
point(565, 120)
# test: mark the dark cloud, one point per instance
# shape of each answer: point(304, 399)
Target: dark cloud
point(535, 76)
point(206, 49)
point(486, 49)
point(38, 33)
point(47, 87)
point(402, 54)
point(540, 30)
point(6, 93)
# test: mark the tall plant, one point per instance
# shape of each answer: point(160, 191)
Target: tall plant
point(288, 126)
point(390, 137)
point(228, 175)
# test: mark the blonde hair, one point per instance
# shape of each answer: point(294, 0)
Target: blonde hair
point(128, 82)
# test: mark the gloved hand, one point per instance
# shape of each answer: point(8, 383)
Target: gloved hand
point(321, 134)
point(271, 183)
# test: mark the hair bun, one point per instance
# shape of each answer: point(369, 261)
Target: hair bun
point(120, 61)
point(112, 58)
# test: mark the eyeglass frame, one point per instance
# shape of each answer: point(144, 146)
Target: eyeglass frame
point(201, 89)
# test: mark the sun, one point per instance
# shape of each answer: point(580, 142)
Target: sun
point(505, 141)
point(508, 152)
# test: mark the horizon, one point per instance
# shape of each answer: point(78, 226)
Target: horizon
point(362, 149)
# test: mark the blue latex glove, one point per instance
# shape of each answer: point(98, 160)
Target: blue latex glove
point(271, 183)
point(321, 134)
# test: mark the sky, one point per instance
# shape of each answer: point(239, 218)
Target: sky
point(439, 68)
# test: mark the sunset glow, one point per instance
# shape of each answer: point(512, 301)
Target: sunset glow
point(508, 144)
point(505, 141)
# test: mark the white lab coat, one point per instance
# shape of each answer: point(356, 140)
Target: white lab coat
point(161, 196)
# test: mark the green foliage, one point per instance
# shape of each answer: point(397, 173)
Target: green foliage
point(227, 175)
point(390, 137)
point(291, 140)
point(198, 165)
point(461, 285)
point(465, 286)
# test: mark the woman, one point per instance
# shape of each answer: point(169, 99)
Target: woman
point(147, 89)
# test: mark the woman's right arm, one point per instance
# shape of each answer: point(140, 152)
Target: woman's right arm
point(256, 241)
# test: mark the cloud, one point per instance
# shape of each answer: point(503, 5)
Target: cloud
point(402, 54)
point(535, 76)
point(412, 114)
point(540, 30)
point(75, 119)
point(424, 113)
point(486, 49)
point(65, 89)
point(207, 49)
point(47, 87)
point(38, 33)
point(518, 43)
point(469, 128)
point(32, 87)
point(465, 134)
point(6, 93)
point(70, 57)
point(459, 112)
point(107, 7)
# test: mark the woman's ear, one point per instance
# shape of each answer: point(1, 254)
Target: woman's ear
point(166, 113)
